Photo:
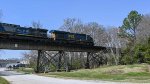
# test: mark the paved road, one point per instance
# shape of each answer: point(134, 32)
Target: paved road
point(18, 78)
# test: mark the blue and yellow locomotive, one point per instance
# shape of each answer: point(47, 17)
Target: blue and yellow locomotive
point(71, 38)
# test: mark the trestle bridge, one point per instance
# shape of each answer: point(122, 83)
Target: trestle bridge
point(43, 45)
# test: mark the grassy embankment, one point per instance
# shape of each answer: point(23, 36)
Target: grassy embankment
point(122, 73)
point(3, 81)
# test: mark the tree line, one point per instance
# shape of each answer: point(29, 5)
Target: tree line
point(132, 37)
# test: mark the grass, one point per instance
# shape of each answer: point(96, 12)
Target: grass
point(3, 81)
point(25, 70)
point(122, 73)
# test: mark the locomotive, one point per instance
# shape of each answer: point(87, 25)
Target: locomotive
point(59, 37)
point(71, 38)
point(11, 29)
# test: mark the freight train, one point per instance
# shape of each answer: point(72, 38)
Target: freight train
point(59, 37)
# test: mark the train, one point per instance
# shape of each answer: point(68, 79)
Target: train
point(56, 36)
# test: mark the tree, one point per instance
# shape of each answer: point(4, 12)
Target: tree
point(37, 24)
point(72, 25)
point(1, 15)
point(115, 42)
point(143, 29)
point(95, 30)
point(129, 28)
point(147, 54)
point(128, 31)
point(31, 56)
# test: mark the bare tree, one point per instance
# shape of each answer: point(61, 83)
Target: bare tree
point(72, 25)
point(115, 42)
point(1, 15)
point(144, 29)
point(95, 30)
point(37, 24)
point(30, 56)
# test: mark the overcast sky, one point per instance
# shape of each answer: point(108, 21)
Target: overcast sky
point(51, 13)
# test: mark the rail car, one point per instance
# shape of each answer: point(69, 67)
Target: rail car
point(59, 37)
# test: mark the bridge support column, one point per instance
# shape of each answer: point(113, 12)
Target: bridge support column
point(59, 60)
point(62, 64)
point(87, 65)
point(42, 62)
point(94, 60)
point(38, 61)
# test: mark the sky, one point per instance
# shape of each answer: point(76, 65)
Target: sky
point(51, 13)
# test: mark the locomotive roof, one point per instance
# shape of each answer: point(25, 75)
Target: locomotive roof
point(6, 24)
point(38, 29)
point(18, 26)
point(57, 31)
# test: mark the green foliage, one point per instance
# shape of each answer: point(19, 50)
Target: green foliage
point(134, 53)
point(126, 56)
point(130, 23)
point(52, 67)
point(32, 65)
point(126, 59)
point(3, 81)
point(25, 70)
point(147, 52)
point(130, 73)
point(141, 54)
point(76, 64)
point(147, 56)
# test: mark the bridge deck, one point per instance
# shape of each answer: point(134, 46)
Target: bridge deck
point(29, 43)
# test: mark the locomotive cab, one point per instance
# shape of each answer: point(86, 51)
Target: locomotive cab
point(90, 40)
point(52, 36)
point(58, 35)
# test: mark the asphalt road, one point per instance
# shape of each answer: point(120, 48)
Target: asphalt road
point(18, 78)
